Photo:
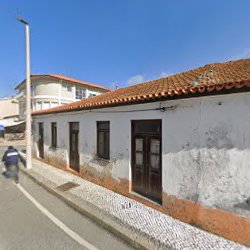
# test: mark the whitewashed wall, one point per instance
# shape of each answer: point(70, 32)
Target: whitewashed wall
point(206, 145)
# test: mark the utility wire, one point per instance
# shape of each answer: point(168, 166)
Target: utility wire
point(162, 109)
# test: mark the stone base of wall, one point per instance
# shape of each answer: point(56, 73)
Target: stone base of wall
point(53, 161)
point(121, 186)
point(220, 222)
point(104, 179)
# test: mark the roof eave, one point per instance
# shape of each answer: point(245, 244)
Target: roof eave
point(72, 81)
point(151, 100)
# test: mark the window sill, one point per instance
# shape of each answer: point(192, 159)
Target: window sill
point(52, 148)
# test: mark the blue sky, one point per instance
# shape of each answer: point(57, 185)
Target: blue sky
point(120, 41)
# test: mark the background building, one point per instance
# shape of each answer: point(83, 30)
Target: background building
point(9, 115)
point(8, 108)
point(52, 90)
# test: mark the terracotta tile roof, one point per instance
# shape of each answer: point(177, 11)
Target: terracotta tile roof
point(210, 78)
point(68, 79)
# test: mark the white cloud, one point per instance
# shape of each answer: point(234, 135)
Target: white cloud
point(242, 55)
point(165, 74)
point(140, 78)
point(135, 79)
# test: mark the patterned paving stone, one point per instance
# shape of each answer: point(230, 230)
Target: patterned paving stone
point(132, 214)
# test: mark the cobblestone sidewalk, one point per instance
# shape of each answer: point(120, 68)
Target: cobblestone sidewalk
point(143, 226)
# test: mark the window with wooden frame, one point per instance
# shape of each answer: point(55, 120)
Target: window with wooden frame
point(103, 138)
point(53, 135)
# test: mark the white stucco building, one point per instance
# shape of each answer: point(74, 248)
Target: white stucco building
point(8, 107)
point(51, 90)
point(9, 115)
point(180, 143)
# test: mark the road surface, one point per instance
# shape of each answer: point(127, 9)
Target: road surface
point(23, 225)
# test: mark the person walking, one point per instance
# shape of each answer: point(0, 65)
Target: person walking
point(11, 159)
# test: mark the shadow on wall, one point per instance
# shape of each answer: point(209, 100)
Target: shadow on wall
point(244, 205)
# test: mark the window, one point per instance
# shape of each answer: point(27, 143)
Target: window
point(92, 94)
point(53, 104)
point(53, 135)
point(46, 105)
point(103, 140)
point(39, 105)
point(67, 87)
point(80, 93)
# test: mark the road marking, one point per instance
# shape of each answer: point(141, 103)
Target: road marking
point(60, 224)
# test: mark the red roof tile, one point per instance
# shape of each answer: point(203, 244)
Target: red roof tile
point(213, 77)
point(68, 79)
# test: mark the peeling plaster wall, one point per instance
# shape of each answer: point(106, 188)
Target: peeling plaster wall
point(225, 147)
point(207, 151)
point(205, 146)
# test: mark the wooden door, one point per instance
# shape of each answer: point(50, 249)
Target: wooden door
point(74, 146)
point(41, 141)
point(154, 172)
point(146, 159)
point(139, 165)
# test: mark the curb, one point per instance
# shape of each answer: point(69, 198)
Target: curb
point(133, 237)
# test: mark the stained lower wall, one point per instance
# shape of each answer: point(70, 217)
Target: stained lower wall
point(205, 157)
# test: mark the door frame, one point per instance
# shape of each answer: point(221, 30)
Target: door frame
point(146, 138)
point(41, 146)
point(75, 168)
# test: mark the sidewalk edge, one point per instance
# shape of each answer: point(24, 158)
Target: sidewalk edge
point(135, 238)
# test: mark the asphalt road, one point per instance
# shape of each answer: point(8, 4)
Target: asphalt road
point(24, 226)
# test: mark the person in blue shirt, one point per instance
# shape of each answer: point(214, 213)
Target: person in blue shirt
point(11, 159)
